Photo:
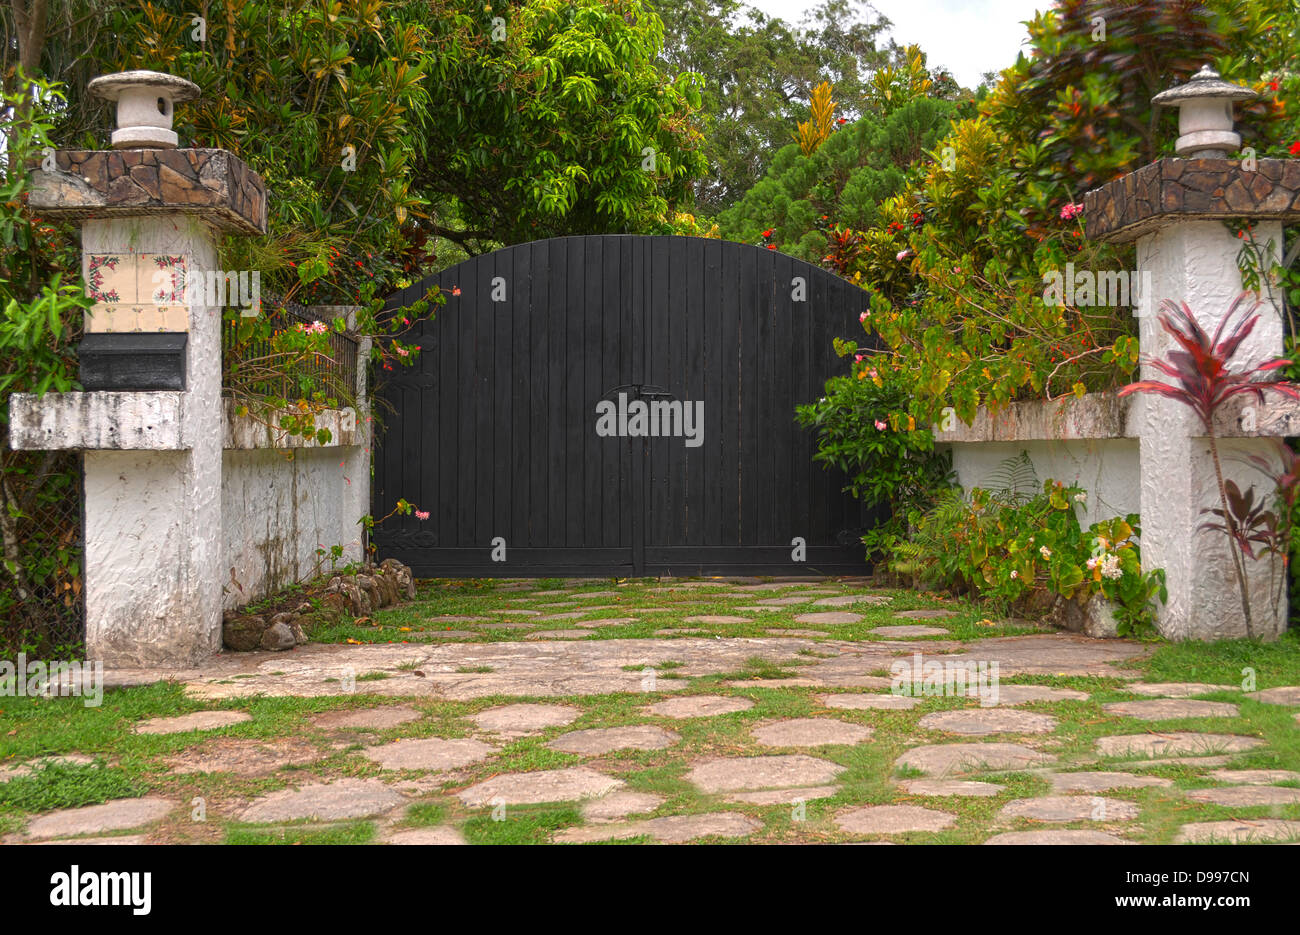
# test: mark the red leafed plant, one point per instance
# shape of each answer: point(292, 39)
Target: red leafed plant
point(1200, 378)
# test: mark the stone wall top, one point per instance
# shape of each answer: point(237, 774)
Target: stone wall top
point(97, 421)
point(1106, 415)
point(213, 184)
point(1189, 189)
point(244, 433)
point(1097, 415)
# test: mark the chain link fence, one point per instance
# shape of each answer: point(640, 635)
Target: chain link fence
point(42, 598)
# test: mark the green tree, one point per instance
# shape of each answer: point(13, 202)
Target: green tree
point(758, 75)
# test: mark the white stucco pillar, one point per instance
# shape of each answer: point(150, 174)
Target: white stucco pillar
point(1195, 261)
point(153, 518)
point(150, 419)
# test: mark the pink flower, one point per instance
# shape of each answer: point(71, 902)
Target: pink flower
point(455, 290)
point(859, 357)
point(403, 352)
point(316, 327)
point(1071, 211)
point(902, 255)
point(863, 317)
point(421, 514)
point(881, 426)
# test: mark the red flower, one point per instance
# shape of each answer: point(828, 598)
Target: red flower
point(771, 246)
point(1272, 85)
point(842, 120)
point(1295, 148)
point(455, 290)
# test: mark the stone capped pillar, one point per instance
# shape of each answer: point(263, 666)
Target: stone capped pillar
point(1174, 209)
point(150, 420)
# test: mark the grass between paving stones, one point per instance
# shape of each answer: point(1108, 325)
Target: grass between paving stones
point(131, 765)
point(416, 622)
point(352, 832)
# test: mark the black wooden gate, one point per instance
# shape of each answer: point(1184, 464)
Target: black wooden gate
point(494, 430)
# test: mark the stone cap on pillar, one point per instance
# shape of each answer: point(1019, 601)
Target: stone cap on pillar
point(212, 184)
point(1171, 190)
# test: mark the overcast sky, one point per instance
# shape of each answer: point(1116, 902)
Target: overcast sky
point(968, 37)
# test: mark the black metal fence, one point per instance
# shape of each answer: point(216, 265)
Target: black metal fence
point(253, 366)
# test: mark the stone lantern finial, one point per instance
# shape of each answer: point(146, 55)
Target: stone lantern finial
point(145, 103)
point(1205, 114)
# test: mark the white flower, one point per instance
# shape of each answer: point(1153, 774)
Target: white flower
point(1110, 567)
point(1015, 574)
point(1081, 497)
point(1045, 552)
point(1092, 563)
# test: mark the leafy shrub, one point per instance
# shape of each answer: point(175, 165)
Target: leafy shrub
point(889, 464)
point(1015, 549)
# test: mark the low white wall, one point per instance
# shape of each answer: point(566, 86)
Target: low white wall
point(1106, 468)
point(278, 507)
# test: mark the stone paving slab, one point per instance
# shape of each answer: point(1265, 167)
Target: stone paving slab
point(327, 801)
point(924, 614)
point(1056, 836)
point(618, 805)
point(1070, 808)
point(1253, 831)
point(1246, 796)
point(783, 601)
point(1255, 776)
point(433, 753)
point(947, 787)
point(809, 732)
point(1176, 689)
point(368, 718)
point(571, 784)
point(846, 600)
point(1174, 742)
point(439, 835)
point(867, 702)
point(949, 758)
point(1011, 695)
point(671, 829)
point(792, 631)
point(16, 770)
point(525, 718)
point(199, 720)
point(751, 773)
point(716, 618)
point(1102, 781)
point(828, 618)
point(558, 635)
point(1285, 695)
point(1168, 709)
point(690, 706)
point(594, 666)
point(904, 631)
point(117, 815)
point(782, 796)
point(600, 740)
point(984, 721)
point(118, 840)
point(244, 757)
point(893, 819)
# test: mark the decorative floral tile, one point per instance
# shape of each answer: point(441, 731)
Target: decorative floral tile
point(110, 277)
point(162, 278)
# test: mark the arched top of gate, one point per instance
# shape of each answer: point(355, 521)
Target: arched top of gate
point(467, 270)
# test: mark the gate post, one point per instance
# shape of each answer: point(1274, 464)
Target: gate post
point(150, 420)
point(1175, 211)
